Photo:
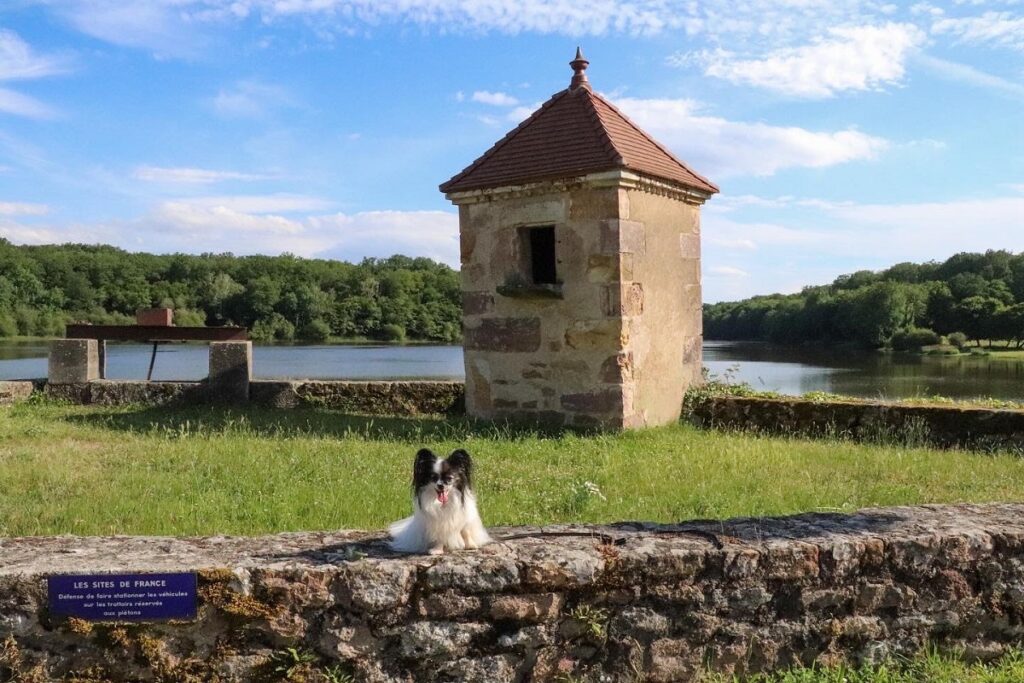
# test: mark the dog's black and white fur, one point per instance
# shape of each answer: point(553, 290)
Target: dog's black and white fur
point(445, 516)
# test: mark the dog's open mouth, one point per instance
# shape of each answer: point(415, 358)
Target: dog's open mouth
point(442, 496)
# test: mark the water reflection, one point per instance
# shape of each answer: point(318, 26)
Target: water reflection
point(860, 373)
point(782, 369)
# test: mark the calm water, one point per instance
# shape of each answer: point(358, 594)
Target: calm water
point(786, 370)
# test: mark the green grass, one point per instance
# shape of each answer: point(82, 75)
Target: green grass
point(1007, 353)
point(930, 667)
point(719, 387)
point(82, 470)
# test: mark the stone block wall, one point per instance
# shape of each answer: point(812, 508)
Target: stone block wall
point(530, 355)
point(666, 328)
point(621, 602)
point(941, 425)
point(617, 341)
point(370, 398)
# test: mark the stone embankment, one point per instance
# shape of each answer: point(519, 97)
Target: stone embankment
point(942, 425)
point(620, 602)
point(372, 398)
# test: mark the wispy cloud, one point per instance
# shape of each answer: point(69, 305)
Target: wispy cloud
point(496, 99)
point(1001, 29)
point(719, 147)
point(851, 58)
point(23, 209)
point(727, 271)
point(251, 98)
point(192, 176)
point(962, 73)
point(259, 204)
point(255, 226)
point(169, 28)
point(18, 62)
point(13, 102)
point(843, 236)
point(194, 227)
point(178, 27)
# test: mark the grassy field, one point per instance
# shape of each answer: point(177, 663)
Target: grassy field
point(81, 470)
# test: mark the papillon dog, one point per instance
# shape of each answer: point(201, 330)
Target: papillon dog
point(444, 516)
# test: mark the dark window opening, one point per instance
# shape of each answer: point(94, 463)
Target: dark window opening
point(542, 255)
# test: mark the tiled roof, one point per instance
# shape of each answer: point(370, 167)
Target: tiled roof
point(575, 132)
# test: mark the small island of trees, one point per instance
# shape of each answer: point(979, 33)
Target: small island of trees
point(969, 298)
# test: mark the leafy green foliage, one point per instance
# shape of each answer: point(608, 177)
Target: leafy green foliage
point(279, 298)
point(980, 296)
point(913, 338)
point(290, 662)
point(957, 339)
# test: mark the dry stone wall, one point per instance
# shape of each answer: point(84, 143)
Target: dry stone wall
point(941, 425)
point(621, 602)
point(373, 398)
point(952, 425)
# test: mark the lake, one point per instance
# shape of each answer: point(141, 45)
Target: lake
point(782, 369)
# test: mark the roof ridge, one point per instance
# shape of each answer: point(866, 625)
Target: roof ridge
point(657, 144)
point(602, 131)
point(502, 142)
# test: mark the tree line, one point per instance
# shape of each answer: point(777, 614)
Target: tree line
point(42, 288)
point(970, 296)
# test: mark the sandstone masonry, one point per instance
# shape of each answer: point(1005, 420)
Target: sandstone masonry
point(610, 603)
point(580, 253)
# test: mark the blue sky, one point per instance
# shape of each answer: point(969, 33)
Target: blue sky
point(844, 134)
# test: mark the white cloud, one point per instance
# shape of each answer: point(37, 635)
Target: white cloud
point(508, 16)
point(726, 233)
point(23, 209)
point(1001, 29)
point(203, 220)
point(845, 237)
point(18, 61)
point(718, 147)
point(735, 243)
point(727, 271)
point(20, 233)
point(496, 99)
point(186, 175)
point(520, 114)
point(259, 204)
point(13, 102)
point(179, 27)
point(216, 227)
point(251, 99)
point(936, 230)
point(849, 58)
point(434, 234)
point(192, 226)
point(164, 26)
point(963, 73)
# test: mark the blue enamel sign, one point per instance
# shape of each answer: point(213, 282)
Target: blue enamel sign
point(123, 597)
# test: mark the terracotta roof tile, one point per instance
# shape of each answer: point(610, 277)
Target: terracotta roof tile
point(575, 132)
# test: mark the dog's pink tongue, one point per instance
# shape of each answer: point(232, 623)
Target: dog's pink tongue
point(442, 496)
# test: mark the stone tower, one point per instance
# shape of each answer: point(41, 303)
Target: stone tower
point(580, 240)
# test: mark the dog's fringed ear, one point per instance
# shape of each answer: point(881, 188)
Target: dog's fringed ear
point(460, 460)
point(423, 467)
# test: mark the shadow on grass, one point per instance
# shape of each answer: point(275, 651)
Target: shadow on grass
point(206, 420)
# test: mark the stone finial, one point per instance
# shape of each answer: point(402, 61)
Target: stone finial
point(579, 67)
